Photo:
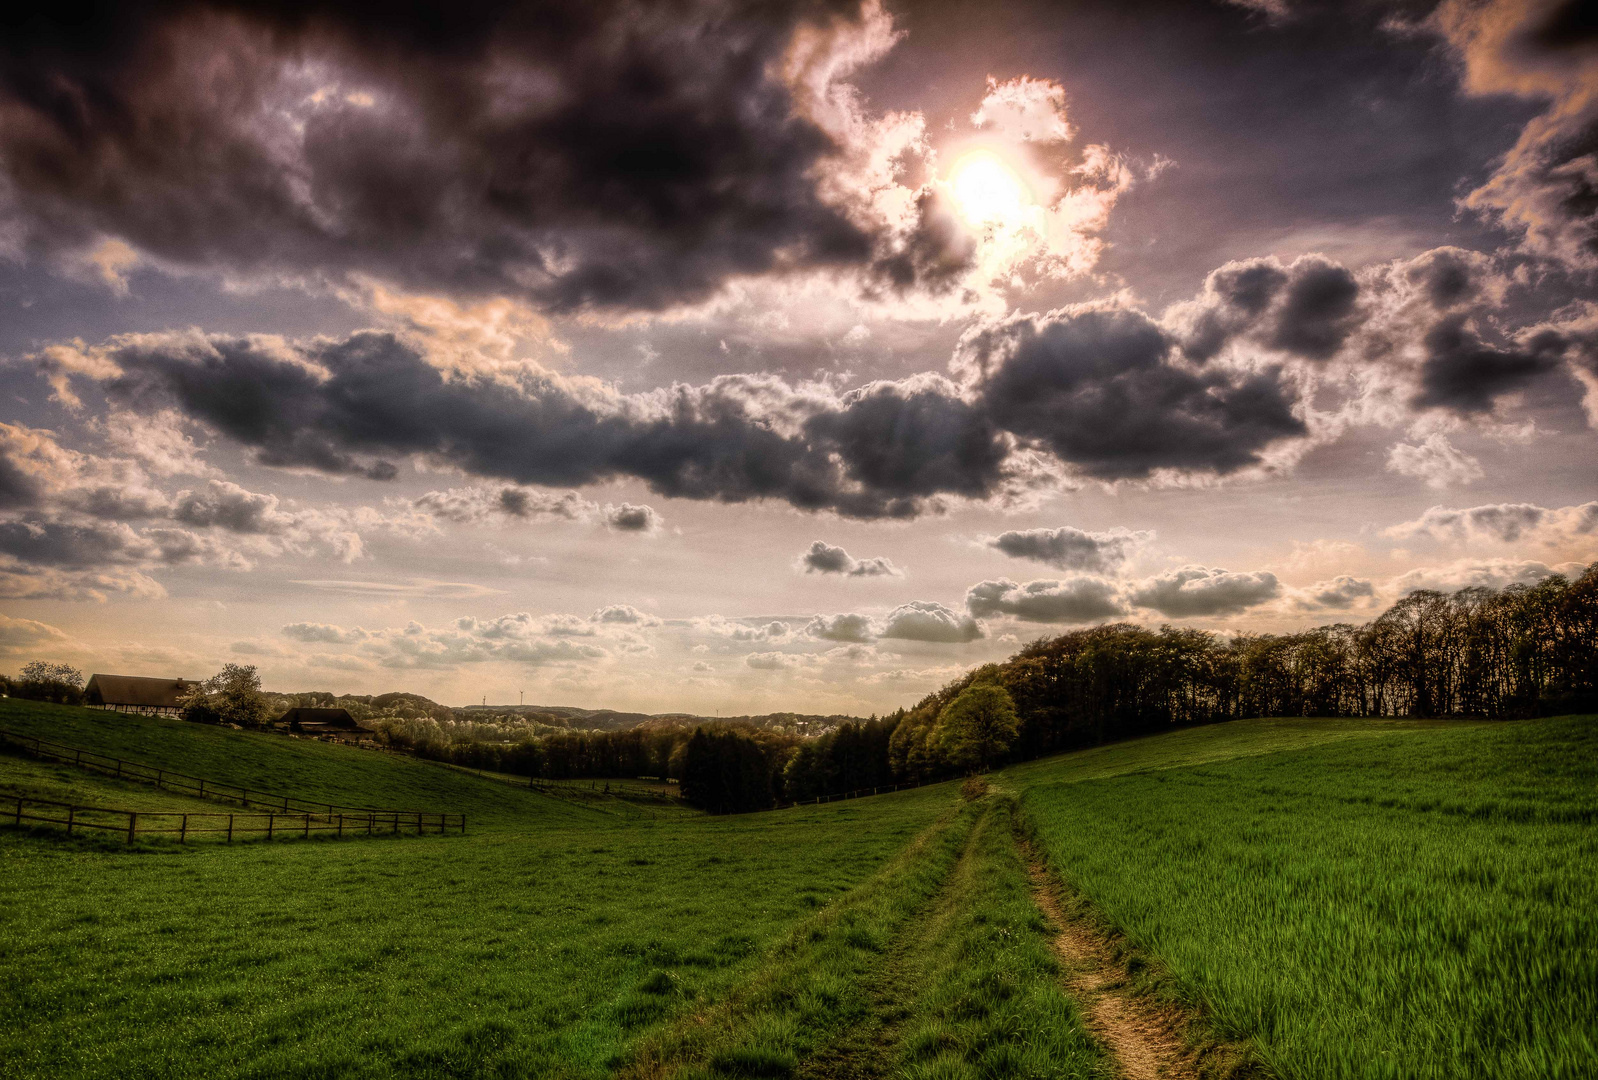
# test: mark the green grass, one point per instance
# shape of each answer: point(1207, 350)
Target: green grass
point(1349, 898)
point(37, 778)
point(547, 952)
point(306, 768)
point(990, 1003)
point(1416, 901)
point(938, 968)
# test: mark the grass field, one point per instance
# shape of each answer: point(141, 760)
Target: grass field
point(1416, 902)
point(1347, 898)
point(543, 946)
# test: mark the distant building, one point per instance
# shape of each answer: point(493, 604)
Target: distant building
point(319, 721)
point(136, 694)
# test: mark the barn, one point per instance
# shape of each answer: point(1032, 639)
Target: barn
point(136, 694)
point(319, 721)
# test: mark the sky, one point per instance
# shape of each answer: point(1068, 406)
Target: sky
point(797, 355)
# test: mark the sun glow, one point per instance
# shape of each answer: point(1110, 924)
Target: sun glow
point(987, 191)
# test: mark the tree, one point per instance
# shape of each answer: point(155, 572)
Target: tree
point(232, 696)
point(976, 727)
point(44, 681)
point(702, 783)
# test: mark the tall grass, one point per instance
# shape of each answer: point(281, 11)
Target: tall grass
point(1418, 904)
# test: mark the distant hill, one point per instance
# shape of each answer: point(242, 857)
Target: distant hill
point(611, 720)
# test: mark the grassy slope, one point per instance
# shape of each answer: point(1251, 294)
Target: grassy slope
point(1402, 900)
point(302, 767)
point(544, 946)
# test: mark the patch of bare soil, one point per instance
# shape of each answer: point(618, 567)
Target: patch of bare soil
point(1147, 1041)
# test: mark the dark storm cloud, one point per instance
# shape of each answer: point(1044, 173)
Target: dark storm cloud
point(1307, 309)
point(92, 545)
point(1099, 388)
point(1465, 375)
point(1075, 600)
point(607, 154)
point(1068, 548)
point(1096, 388)
point(18, 490)
point(348, 406)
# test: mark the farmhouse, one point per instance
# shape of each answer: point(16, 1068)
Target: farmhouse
point(319, 721)
point(137, 694)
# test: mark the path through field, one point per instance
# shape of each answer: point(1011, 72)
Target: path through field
point(1145, 1041)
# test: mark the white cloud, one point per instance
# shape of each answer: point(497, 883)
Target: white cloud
point(1486, 573)
point(1337, 594)
point(1073, 600)
point(925, 620)
point(771, 661)
point(1436, 461)
point(22, 636)
point(1505, 523)
point(824, 558)
point(1198, 590)
point(1068, 548)
point(850, 628)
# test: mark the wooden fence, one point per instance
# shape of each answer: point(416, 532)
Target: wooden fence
point(184, 784)
point(131, 824)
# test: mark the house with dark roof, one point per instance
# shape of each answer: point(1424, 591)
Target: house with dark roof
point(311, 721)
point(136, 694)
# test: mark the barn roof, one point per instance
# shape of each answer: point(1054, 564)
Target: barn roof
point(332, 717)
point(137, 690)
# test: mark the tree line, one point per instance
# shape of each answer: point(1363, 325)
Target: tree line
point(1520, 651)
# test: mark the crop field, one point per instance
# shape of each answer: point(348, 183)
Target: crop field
point(1332, 898)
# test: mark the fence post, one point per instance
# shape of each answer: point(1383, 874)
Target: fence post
point(77, 758)
point(159, 773)
point(133, 824)
point(202, 787)
point(119, 768)
point(271, 820)
point(19, 813)
point(183, 830)
point(307, 833)
point(71, 813)
point(368, 824)
point(246, 798)
point(230, 828)
point(341, 826)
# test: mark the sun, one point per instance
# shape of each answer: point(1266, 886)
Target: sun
point(987, 191)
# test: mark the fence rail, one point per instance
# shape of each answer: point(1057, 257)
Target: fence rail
point(183, 783)
point(131, 824)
